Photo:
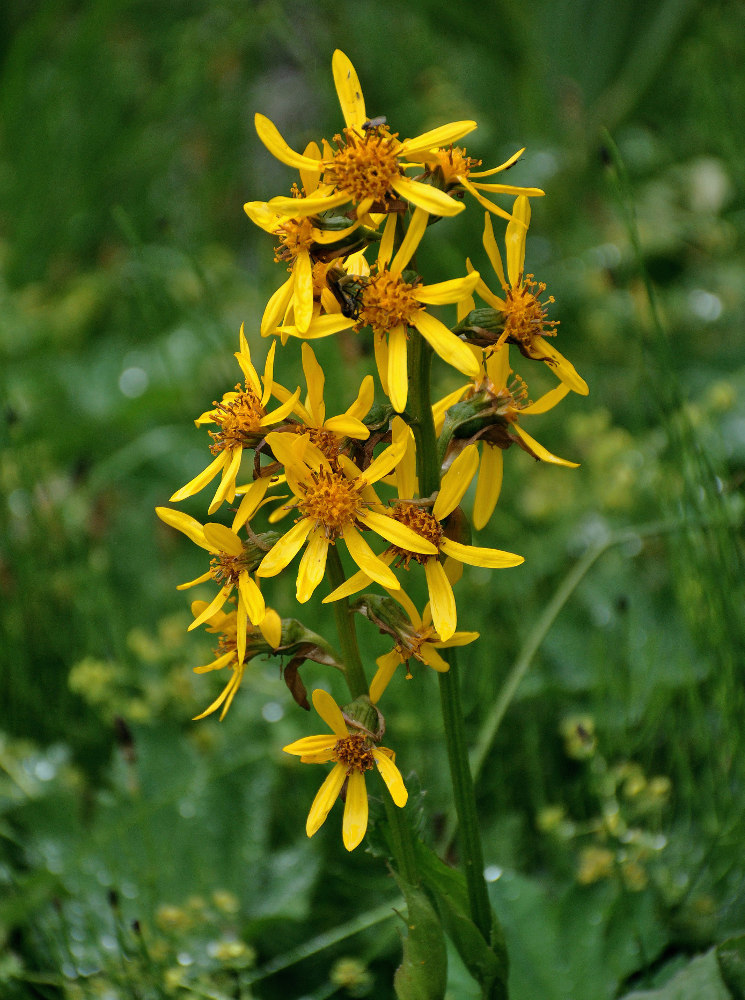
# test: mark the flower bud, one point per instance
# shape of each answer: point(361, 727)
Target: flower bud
point(361, 714)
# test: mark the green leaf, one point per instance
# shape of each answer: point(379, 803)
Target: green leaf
point(731, 958)
point(487, 962)
point(573, 942)
point(422, 974)
point(699, 980)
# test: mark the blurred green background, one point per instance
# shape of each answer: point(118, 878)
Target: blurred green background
point(143, 855)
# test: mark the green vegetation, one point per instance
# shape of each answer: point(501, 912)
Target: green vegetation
point(143, 855)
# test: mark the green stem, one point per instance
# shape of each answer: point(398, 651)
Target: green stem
point(465, 799)
point(402, 843)
point(346, 629)
point(419, 409)
point(428, 467)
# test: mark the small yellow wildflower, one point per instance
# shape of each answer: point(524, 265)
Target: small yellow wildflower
point(455, 171)
point(328, 433)
point(366, 169)
point(230, 566)
point(595, 863)
point(417, 518)
point(334, 501)
point(237, 645)
point(353, 752)
point(242, 418)
point(525, 322)
point(298, 238)
point(420, 642)
point(504, 402)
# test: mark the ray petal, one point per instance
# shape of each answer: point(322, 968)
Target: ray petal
point(312, 565)
point(488, 486)
point(370, 564)
point(444, 135)
point(188, 525)
point(431, 199)
point(330, 712)
point(543, 453)
point(396, 533)
point(270, 136)
point(354, 824)
point(441, 599)
point(392, 777)
point(456, 481)
point(386, 669)
point(446, 344)
point(473, 555)
point(285, 550)
point(348, 90)
point(517, 231)
point(325, 797)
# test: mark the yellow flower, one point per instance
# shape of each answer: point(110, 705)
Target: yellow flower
point(420, 642)
point(504, 404)
point(455, 170)
point(525, 323)
point(367, 167)
point(334, 501)
point(238, 643)
point(328, 434)
point(230, 566)
point(242, 418)
point(353, 752)
point(298, 239)
point(389, 305)
point(419, 520)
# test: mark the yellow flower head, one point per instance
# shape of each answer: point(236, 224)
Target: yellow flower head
point(389, 305)
point(353, 751)
point(424, 519)
point(457, 171)
point(334, 502)
point(242, 419)
point(525, 322)
point(420, 641)
point(502, 402)
point(300, 241)
point(366, 167)
point(231, 566)
point(328, 434)
point(238, 643)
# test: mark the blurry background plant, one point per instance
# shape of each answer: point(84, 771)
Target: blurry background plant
point(126, 267)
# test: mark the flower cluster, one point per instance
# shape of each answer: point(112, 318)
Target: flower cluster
point(301, 484)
